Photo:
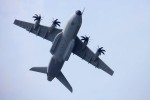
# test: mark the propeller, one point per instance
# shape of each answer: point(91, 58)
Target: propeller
point(85, 38)
point(101, 50)
point(56, 22)
point(37, 17)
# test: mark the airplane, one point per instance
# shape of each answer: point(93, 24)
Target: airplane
point(64, 42)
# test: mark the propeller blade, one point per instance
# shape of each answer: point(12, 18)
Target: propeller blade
point(56, 22)
point(103, 50)
point(83, 38)
point(34, 17)
point(37, 17)
point(103, 53)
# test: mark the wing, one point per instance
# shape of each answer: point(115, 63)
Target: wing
point(42, 31)
point(88, 56)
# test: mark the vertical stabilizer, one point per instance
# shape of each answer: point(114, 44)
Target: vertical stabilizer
point(64, 81)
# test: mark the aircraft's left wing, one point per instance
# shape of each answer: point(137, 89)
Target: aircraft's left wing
point(42, 31)
point(88, 56)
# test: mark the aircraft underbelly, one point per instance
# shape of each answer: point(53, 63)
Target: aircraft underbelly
point(65, 46)
point(62, 53)
point(69, 50)
point(62, 49)
point(54, 67)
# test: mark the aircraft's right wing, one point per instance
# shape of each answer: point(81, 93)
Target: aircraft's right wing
point(42, 31)
point(88, 56)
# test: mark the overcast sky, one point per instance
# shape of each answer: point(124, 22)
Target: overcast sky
point(122, 27)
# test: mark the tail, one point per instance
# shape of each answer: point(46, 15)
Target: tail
point(64, 81)
point(59, 76)
point(39, 69)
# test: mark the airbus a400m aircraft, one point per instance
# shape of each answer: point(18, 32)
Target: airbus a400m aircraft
point(64, 42)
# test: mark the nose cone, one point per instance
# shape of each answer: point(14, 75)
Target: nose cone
point(78, 12)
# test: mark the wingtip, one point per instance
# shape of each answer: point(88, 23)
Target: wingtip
point(15, 21)
point(30, 69)
point(71, 90)
point(112, 73)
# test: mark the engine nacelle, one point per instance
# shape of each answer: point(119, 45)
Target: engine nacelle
point(36, 25)
point(84, 45)
point(85, 40)
point(54, 24)
point(96, 55)
point(51, 28)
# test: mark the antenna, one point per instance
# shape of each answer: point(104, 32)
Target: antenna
point(83, 10)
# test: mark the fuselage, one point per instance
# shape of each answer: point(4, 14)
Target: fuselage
point(65, 45)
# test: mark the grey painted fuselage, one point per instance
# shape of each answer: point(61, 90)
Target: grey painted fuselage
point(64, 44)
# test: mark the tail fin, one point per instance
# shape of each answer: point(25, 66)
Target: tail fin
point(64, 81)
point(60, 76)
point(39, 69)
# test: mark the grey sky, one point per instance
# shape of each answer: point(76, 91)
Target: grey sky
point(122, 27)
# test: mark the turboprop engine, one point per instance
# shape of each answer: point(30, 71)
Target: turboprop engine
point(37, 19)
point(99, 52)
point(55, 23)
point(85, 40)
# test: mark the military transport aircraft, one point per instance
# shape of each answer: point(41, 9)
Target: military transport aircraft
point(64, 42)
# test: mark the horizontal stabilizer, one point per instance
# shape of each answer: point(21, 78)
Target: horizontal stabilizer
point(64, 81)
point(39, 69)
